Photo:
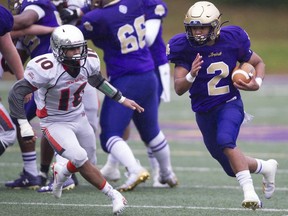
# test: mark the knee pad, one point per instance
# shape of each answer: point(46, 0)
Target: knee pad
point(79, 157)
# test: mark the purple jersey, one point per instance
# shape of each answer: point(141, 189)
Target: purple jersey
point(213, 85)
point(40, 44)
point(6, 21)
point(157, 9)
point(121, 38)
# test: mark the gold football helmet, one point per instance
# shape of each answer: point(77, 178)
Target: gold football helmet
point(202, 13)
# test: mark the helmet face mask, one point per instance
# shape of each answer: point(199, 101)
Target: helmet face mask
point(202, 14)
point(68, 37)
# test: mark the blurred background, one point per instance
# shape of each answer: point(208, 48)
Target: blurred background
point(264, 20)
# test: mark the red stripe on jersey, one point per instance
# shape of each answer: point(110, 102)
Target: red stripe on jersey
point(53, 142)
point(42, 113)
point(6, 120)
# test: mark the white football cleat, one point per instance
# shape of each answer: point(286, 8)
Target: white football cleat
point(59, 179)
point(111, 172)
point(269, 179)
point(169, 179)
point(118, 202)
point(251, 201)
point(134, 179)
point(156, 183)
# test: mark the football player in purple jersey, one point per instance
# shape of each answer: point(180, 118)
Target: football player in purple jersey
point(118, 28)
point(27, 13)
point(155, 12)
point(9, 52)
point(204, 59)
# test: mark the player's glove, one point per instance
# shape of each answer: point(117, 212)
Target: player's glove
point(67, 15)
point(26, 130)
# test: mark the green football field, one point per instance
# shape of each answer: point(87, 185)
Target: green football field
point(203, 189)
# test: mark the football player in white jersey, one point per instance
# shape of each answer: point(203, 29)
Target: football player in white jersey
point(91, 104)
point(60, 78)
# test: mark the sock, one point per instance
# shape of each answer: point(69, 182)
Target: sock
point(152, 160)
point(107, 189)
point(262, 167)
point(30, 163)
point(161, 152)
point(112, 161)
point(122, 152)
point(245, 180)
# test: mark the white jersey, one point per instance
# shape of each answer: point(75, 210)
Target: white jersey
point(7, 128)
point(59, 95)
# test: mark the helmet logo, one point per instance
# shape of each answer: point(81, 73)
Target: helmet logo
point(88, 26)
point(123, 9)
point(159, 10)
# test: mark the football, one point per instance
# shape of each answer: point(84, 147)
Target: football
point(244, 71)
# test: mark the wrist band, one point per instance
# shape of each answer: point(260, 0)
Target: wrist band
point(259, 81)
point(122, 99)
point(190, 78)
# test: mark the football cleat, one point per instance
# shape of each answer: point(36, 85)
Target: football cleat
point(251, 201)
point(26, 181)
point(269, 179)
point(59, 179)
point(156, 183)
point(69, 184)
point(134, 179)
point(169, 179)
point(110, 172)
point(118, 202)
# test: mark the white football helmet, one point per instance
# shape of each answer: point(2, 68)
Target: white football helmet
point(202, 13)
point(68, 37)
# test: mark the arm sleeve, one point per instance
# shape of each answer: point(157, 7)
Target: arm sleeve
point(104, 86)
point(152, 30)
point(16, 98)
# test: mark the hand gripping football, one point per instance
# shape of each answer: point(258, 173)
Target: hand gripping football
point(244, 71)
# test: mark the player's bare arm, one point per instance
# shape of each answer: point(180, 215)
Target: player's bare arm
point(32, 30)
